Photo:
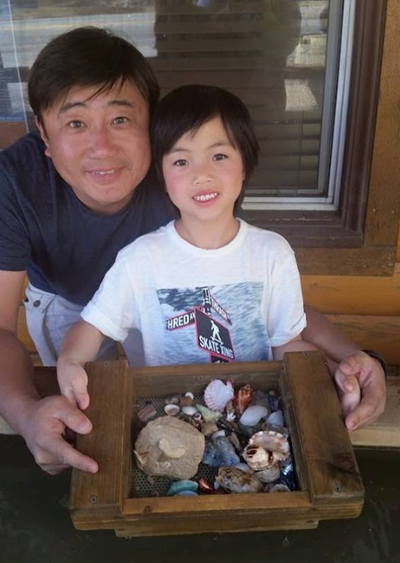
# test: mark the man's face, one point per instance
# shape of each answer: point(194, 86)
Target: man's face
point(99, 145)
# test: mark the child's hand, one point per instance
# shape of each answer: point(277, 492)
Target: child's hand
point(73, 381)
point(349, 391)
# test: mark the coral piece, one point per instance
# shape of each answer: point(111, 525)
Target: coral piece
point(170, 447)
point(243, 398)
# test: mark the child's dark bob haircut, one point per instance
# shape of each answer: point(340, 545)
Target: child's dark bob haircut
point(187, 108)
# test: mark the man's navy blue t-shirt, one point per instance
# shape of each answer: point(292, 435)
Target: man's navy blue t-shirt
point(45, 229)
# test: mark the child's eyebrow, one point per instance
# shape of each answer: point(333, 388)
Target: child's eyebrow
point(217, 144)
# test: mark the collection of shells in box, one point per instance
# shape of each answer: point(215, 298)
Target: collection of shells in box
point(239, 434)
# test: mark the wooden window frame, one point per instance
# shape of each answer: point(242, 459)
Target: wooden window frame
point(345, 231)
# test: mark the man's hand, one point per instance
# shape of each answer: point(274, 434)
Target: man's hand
point(46, 422)
point(361, 383)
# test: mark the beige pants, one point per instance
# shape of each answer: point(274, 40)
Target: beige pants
point(48, 318)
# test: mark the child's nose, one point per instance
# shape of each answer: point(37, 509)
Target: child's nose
point(202, 174)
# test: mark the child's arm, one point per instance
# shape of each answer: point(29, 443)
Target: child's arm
point(349, 390)
point(81, 344)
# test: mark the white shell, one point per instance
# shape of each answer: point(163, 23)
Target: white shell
point(189, 410)
point(275, 418)
point(171, 410)
point(217, 394)
point(253, 414)
point(189, 395)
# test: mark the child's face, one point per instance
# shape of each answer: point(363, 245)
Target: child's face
point(204, 172)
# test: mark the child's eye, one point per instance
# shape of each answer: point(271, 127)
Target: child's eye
point(219, 156)
point(180, 162)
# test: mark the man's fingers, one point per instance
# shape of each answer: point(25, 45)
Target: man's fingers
point(362, 415)
point(66, 456)
point(74, 419)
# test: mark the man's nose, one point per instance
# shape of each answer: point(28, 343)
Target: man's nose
point(101, 141)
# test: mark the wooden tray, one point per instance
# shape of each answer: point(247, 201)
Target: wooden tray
point(329, 480)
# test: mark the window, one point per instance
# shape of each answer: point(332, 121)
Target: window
point(308, 71)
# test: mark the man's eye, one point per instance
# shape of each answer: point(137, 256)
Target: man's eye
point(219, 156)
point(180, 162)
point(75, 124)
point(120, 120)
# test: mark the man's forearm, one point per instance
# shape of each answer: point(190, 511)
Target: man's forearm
point(16, 381)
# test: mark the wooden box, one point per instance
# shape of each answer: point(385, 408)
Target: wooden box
point(330, 486)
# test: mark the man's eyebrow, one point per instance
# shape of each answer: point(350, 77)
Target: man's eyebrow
point(121, 102)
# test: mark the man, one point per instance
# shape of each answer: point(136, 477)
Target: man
point(69, 200)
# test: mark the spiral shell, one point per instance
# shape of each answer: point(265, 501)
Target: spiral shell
point(257, 458)
point(217, 394)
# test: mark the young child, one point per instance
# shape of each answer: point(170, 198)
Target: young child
point(207, 287)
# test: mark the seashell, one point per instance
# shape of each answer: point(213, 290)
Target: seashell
point(257, 458)
point(271, 441)
point(276, 418)
point(253, 414)
point(217, 394)
point(147, 412)
point(181, 486)
point(230, 411)
point(243, 398)
point(243, 467)
point(171, 410)
point(186, 400)
point(208, 414)
point(277, 488)
point(236, 481)
point(218, 434)
point(269, 474)
point(205, 486)
point(172, 400)
point(190, 410)
point(189, 395)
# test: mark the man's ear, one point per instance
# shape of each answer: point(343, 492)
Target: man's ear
point(43, 134)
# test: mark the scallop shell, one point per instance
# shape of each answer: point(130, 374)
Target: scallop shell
point(253, 414)
point(217, 394)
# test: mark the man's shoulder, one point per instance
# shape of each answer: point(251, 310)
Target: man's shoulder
point(24, 156)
